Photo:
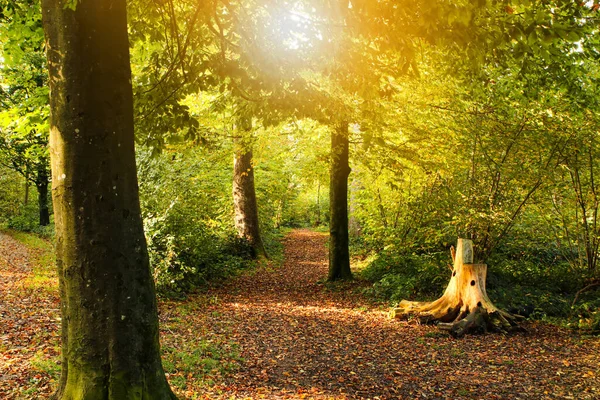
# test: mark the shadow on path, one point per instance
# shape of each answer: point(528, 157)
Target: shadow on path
point(301, 339)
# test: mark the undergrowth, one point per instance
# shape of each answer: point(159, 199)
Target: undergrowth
point(538, 288)
point(27, 220)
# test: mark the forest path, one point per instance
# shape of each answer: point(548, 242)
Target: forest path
point(29, 322)
point(302, 339)
point(14, 259)
point(298, 339)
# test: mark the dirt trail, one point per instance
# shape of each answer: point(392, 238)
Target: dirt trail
point(304, 339)
point(14, 260)
point(28, 324)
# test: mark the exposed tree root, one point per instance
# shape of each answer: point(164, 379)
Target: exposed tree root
point(465, 306)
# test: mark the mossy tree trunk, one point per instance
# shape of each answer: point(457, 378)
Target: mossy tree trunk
point(465, 305)
point(339, 254)
point(110, 346)
point(244, 191)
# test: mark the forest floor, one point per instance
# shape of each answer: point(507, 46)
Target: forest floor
point(277, 333)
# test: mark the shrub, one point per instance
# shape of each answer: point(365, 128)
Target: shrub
point(407, 276)
point(27, 220)
point(537, 284)
point(184, 253)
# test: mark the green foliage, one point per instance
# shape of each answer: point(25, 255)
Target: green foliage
point(585, 315)
point(24, 93)
point(188, 219)
point(27, 220)
point(406, 276)
point(186, 255)
point(534, 277)
point(292, 183)
point(10, 193)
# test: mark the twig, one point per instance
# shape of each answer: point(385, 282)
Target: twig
point(588, 287)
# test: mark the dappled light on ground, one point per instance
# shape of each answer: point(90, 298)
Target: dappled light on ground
point(277, 333)
point(301, 339)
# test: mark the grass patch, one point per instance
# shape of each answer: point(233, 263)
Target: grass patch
point(194, 359)
point(200, 363)
point(321, 228)
point(32, 241)
point(435, 334)
point(43, 363)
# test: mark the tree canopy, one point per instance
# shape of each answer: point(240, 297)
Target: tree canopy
point(399, 126)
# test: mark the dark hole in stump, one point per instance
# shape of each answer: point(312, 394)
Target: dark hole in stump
point(454, 273)
point(478, 304)
point(473, 283)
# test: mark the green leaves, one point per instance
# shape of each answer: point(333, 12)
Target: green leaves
point(24, 110)
point(71, 4)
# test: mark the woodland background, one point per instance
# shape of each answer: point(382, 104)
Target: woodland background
point(475, 120)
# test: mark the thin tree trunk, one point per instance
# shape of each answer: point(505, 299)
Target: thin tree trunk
point(339, 254)
point(26, 199)
point(381, 208)
point(244, 198)
point(353, 224)
point(110, 346)
point(318, 203)
point(41, 183)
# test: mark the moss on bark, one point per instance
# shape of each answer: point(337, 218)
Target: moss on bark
point(110, 346)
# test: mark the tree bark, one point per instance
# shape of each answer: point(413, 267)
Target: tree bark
point(465, 305)
point(244, 191)
point(339, 254)
point(41, 183)
point(110, 345)
point(244, 198)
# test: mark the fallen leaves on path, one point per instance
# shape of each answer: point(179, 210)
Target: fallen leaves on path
point(302, 339)
point(276, 333)
point(29, 325)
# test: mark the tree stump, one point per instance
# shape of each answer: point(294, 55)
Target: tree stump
point(465, 306)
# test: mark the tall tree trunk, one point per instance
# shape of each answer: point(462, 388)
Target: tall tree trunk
point(244, 197)
point(41, 182)
point(110, 346)
point(339, 254)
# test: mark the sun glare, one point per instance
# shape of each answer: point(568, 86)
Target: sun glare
point(296, 27)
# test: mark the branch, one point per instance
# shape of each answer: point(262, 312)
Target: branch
point(588, 287)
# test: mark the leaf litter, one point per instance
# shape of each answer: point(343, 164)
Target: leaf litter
point(280, 333)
